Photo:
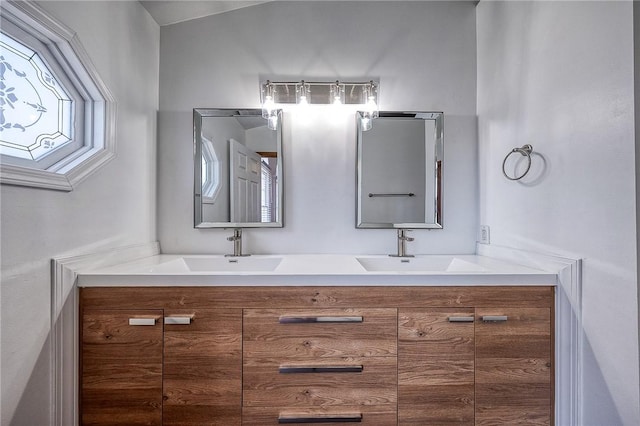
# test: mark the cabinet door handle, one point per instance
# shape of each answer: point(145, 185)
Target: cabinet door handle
point(184, 320)
point(321, 369)
point(328, 418)
point(460, 319)
point(142, 321)
point(494, 318)
point(327, 319)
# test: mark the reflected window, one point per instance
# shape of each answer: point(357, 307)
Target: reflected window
point(210, 172)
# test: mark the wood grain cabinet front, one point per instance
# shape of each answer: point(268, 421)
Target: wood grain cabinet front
point(436, 351)
point(514, 366)
point(330, 355)
point(202, 367)
point(315, 366)
point(161, 367)
point(121, 360)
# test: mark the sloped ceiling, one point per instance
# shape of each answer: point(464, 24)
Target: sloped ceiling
point(167, 12)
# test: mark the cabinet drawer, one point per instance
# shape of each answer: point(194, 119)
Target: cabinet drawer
point(329, 382)
point(319, 333)
point(343, 415)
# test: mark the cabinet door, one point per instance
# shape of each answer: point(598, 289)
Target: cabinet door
point(121, 367)
point(514, 373)
point(435, 366)
point(202, 367)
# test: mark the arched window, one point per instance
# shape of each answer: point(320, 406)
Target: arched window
point(56, 114)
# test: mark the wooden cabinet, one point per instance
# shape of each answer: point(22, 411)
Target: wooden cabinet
point(482, 366)
point(514, 366)
point(202, 367)
point(161, 367)
point(327, 365)
point(121, 367)
point(262, 356)
point(436, 351)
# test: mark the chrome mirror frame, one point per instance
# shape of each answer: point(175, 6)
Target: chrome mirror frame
point(198, 115)
point(436, 188)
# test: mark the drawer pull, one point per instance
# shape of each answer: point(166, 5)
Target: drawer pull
point(322, 369)
point(460, 319)
point(339, 418)
point(186, 320)
point(494, 318)
point(142, 321)
point(310, 320)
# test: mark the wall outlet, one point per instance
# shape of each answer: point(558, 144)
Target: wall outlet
point(484, 237)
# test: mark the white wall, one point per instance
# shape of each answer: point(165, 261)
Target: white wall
point(423, 53)
point(114, 207)
point(559, 75)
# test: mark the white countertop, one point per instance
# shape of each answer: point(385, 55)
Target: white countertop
point(312, 269)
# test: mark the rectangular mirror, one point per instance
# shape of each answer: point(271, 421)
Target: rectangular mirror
point(237, 169)
point(399, 170)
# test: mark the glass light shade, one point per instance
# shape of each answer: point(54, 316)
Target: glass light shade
point(268, 104)
point(336, 94)
point(370, 99)
point(303, 93)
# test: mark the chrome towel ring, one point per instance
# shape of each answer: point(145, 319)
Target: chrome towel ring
point(524, 150)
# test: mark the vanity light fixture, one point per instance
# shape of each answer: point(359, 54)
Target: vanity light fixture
point(320, 93)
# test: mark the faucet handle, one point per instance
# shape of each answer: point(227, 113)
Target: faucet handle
point(402, 234)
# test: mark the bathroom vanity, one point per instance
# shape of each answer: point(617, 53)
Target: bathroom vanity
point(162, 343)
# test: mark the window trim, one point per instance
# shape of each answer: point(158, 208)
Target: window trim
point(64, 44)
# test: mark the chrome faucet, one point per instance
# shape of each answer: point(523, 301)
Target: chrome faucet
point(402, 244)
point(237, 243)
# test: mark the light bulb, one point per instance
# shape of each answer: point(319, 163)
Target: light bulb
point(336, 92)
point(302, 92)
point(267, 106)
point(370, 93)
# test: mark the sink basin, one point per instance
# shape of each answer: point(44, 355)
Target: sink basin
point(418, 264)
point(232, 264)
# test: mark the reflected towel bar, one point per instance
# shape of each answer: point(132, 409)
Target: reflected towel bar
point(409, 194)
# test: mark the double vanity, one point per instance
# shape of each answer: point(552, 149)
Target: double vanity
point(315, 339)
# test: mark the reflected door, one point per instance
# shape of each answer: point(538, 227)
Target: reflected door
point(245, 183)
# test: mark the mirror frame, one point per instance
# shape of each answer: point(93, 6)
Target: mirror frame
point(198, 115)
point(438, 118)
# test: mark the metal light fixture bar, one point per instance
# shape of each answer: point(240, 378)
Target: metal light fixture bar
point(319, 93)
